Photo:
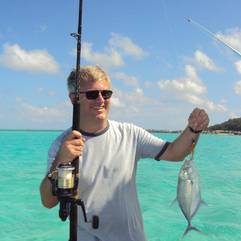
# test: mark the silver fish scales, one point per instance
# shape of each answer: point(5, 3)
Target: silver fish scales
point(188, 192)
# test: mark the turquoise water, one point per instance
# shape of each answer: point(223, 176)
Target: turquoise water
point(23, 162)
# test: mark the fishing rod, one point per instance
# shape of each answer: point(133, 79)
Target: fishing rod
point(66, 186)
point(73, 223)
point(214, 36)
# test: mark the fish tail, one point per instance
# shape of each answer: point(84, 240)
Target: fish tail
point(189, 228)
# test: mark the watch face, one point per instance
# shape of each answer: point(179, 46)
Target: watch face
point(52, 175)
point(49, 176)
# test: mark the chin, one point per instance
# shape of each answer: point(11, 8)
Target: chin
point(101, 117)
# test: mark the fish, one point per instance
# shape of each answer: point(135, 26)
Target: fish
point(188, 192)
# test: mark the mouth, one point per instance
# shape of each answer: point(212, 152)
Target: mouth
point(99, 108)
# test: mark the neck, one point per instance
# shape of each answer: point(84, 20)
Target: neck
point(94, 127)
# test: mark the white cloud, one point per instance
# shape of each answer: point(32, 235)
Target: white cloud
point(42, 91)
point(138, 94)
point(149, 112)
point(112, 56)
point(231, 37)
point(116, 102)
point(204, 61)
point(189, 84)
point(135, 101)
point(233, 115)
point(126, 45)
point(223, 101)
point(149, 84)
point(107, 59)
point(202, 102)
point(16, 58)
point(40, 113)
point(190, 89)
point(127, 79)
point(237, 88)
point(238, 66)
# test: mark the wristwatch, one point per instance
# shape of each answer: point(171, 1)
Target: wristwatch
point(50, 175)
point(194, 131)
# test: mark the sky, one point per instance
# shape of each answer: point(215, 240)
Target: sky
point(161, 66)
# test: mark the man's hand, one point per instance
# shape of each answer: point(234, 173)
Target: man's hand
point(198, 120)
point(71, 148)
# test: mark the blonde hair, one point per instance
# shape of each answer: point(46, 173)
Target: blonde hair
point(86, 74)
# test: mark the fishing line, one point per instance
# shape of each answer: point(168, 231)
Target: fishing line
point(214, 36)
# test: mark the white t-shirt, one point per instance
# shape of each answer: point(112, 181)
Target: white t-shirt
point(107, 180)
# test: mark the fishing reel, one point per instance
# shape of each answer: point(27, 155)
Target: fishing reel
point(65, 186)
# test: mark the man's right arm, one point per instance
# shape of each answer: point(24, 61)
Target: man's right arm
point(71, 148)
point(47, 197)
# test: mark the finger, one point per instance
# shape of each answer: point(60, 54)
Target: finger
point(77, 153)
point(203, 123)
point(73, 135)
point(193, 122)
point(77, 142)
point(194, 115)
point(206, 123)
point(77, 148)
point(195, 111)
point(203, 114)
point(198, 119)
point(203, 117)
point(199, 114)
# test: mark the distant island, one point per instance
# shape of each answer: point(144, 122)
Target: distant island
point(230, 127)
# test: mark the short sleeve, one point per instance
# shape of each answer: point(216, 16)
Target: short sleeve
point(148, 145)
point(54, 148)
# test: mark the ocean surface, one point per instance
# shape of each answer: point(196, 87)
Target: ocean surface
point(218, 158)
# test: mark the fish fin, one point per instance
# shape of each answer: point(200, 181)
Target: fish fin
point(173, 202)
point(189, 228)
point(204, 203)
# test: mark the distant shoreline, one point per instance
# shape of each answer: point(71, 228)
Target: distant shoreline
point(163, 131)
point(223, 132)
point(215, 132)
point(47, 130)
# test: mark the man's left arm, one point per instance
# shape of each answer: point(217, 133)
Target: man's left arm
point(181, 146)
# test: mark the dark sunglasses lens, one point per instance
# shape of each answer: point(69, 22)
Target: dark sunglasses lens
point(106, 94)
point(93, 94)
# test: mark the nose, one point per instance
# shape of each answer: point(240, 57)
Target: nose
point(100, 98)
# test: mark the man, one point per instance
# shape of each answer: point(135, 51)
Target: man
point(108, 152)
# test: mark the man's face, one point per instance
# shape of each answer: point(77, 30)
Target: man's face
point(94, 109)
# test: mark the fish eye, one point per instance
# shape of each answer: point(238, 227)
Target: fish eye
point(185, 174)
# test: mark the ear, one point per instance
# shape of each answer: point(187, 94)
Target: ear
point(72, 97)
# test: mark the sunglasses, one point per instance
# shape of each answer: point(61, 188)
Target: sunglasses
point(93, 94)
